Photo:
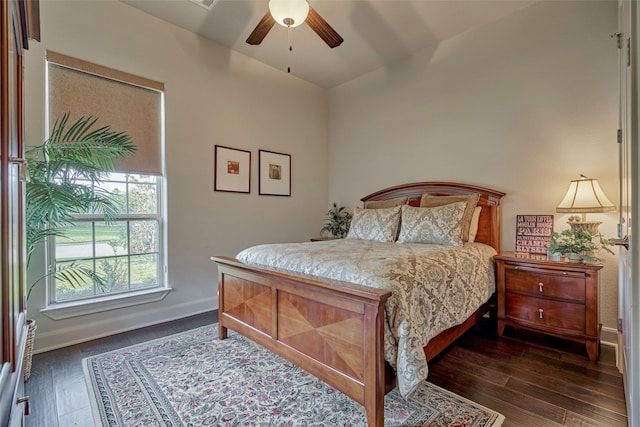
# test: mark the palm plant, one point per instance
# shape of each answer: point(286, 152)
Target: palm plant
point(59, 172)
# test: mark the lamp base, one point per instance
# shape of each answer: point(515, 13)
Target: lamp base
point(589, 227)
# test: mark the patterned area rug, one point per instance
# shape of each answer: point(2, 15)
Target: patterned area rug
point(194, 379)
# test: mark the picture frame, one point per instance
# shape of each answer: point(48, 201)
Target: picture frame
point(533, 233)
point(274, 176)
point(232, 170)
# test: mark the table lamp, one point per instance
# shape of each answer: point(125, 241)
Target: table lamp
point(585, 196)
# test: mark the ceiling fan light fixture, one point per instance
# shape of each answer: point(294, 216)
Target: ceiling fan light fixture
point(289, 13)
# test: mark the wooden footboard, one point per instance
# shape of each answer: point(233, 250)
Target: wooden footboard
point(331, 329)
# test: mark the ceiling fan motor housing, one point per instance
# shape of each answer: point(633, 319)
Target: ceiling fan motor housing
point(289, 13)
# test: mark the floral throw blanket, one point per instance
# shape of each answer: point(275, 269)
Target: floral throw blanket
point(434, 287)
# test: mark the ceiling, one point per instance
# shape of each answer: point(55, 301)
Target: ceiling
point(376, 32)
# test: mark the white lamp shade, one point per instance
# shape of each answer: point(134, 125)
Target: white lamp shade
point(283, 10)
point(585, 196)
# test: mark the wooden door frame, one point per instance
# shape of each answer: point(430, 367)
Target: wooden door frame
point(16, 28)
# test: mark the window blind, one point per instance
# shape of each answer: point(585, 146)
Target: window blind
point(123, 101)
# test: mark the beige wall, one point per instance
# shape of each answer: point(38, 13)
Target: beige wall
point(213, 96)
point(522, 105)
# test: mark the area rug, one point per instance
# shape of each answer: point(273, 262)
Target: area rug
point(195, 379)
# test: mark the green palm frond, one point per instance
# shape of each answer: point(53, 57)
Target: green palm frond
point(39, 235)
point(53, 205)
point(75, 274)
point(63, 174)
point(104, 205)
point(77, 151)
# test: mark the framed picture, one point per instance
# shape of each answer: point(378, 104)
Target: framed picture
point(232, 170)
point(275, 173)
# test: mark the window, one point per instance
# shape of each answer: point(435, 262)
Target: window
point(126, 252)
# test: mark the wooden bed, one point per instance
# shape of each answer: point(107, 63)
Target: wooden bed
point(296, 316)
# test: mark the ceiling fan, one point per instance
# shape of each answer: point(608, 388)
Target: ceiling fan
point(291, 13)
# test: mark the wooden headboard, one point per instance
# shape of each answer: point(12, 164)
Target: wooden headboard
point(489, 225)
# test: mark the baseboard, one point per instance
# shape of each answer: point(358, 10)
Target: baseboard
point(610, 337)
point(84, 331)
point(625, 382)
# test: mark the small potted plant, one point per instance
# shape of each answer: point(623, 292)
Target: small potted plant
point(577, 245)
point(338, 222)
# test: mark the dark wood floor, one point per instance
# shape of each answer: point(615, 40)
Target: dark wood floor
point(533, 380)
point(530, 379)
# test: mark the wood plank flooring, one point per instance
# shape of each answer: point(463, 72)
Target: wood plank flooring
point(531, 379)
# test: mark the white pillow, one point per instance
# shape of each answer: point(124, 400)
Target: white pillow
point(374, 224)
point(473, 228)
point(441, 225)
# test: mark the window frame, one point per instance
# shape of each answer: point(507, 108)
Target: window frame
point(101, 302)
point(81, 307)
point(120, 218)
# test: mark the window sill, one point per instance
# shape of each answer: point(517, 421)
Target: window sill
point(96, 305)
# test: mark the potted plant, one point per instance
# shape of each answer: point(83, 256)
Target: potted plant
point(577, 245)
point(56, 189)
point(338, 222)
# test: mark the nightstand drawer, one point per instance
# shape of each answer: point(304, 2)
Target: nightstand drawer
point(545, 283)
point(545, 312)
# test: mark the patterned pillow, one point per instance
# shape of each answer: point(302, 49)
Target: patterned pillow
point(430, 201)
point(374, 224)
point(441, 225)
point(475, 222)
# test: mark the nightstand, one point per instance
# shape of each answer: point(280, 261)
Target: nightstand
point(557, 298)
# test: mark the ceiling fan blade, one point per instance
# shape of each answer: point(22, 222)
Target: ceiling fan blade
point(260, 31)
point(323, 29)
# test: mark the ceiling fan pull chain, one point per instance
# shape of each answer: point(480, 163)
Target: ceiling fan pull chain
point(290, 44)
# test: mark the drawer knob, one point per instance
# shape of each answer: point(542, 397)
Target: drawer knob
point(541, 286)
point(540, 312)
